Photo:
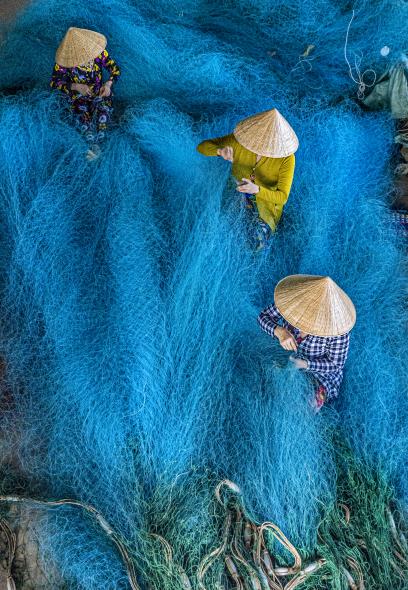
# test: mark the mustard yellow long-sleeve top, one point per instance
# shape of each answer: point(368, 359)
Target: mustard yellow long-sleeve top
point(274, 176)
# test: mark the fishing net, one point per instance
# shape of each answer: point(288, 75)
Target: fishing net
point(135, 376)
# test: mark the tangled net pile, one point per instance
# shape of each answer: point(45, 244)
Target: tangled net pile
point(135, 376)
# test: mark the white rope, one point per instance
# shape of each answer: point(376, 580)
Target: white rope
point(359, 80)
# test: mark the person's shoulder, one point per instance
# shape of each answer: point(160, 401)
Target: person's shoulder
point(287, 161)
point(232, 140)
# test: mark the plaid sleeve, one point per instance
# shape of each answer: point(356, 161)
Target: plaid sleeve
point(269, 318)
point(335, 356)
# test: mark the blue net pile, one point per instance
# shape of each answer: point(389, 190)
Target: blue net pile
point(135, 375)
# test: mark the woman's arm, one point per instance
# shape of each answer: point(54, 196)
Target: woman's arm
point(109, 64)
point(334, 358)
point(269, 318)
point(280, 195)
point(210, 147)
point(60, 79)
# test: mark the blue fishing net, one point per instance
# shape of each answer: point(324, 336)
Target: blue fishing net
point(136, 377)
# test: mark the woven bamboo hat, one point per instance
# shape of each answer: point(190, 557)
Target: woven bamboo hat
point(267, 134)
point(79, 46)
point(315, 305)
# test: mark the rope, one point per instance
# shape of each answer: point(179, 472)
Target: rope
point(362, 85)
point(99, 518)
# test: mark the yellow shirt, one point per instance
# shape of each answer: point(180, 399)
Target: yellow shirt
point(274, 176)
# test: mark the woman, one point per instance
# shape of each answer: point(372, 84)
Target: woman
point(312, 317)
point(80, 61)
point(261, 150)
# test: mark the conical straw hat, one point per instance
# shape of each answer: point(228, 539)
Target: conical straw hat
point(267, 134)
point(315, 305)
point(79, 47)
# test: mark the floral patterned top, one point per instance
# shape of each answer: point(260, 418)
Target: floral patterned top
point(90, 74)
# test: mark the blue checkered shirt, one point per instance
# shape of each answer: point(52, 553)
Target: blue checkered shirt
point(326, 356)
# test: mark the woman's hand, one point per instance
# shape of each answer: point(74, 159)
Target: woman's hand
point(82, 89)
point(227, 153)
point(248, 187)
point(286, 339)
point(106, 89)
point(299, 363)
